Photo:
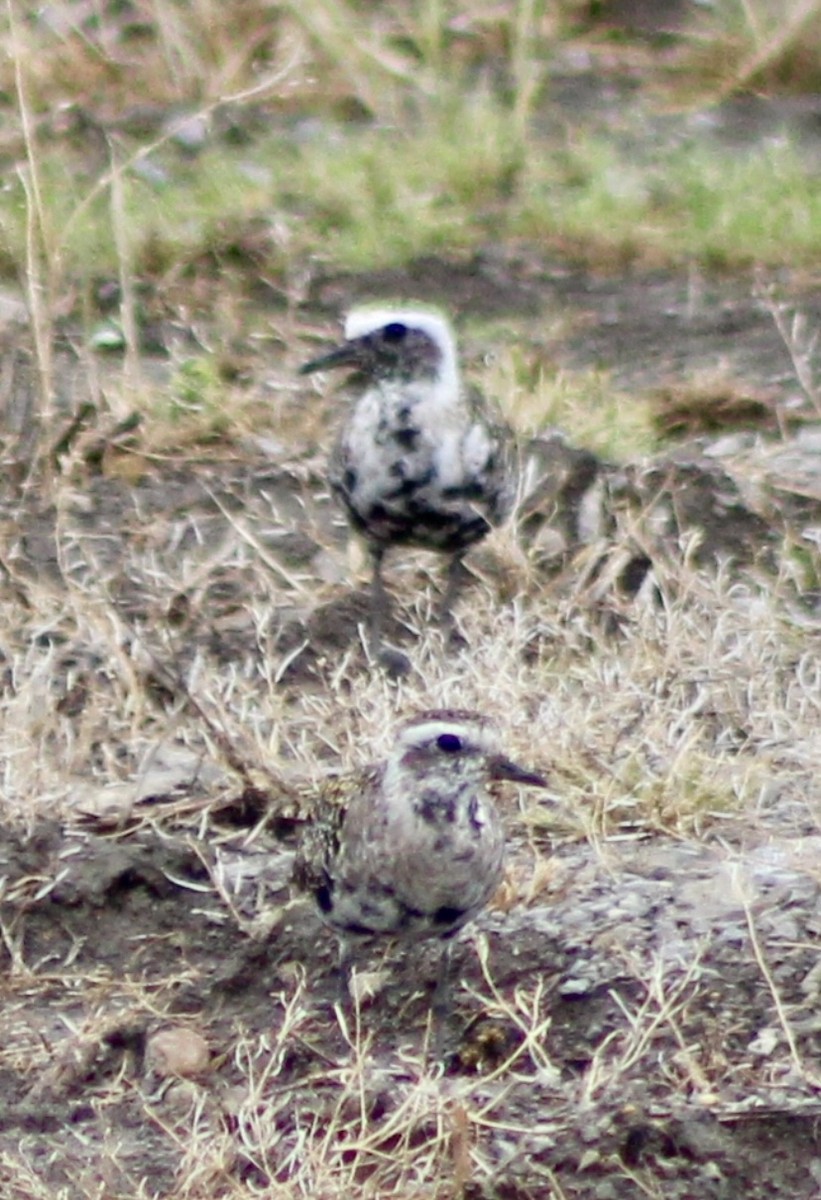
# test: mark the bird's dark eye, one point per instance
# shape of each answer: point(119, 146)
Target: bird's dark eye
point(394, 332)
point(449, 742)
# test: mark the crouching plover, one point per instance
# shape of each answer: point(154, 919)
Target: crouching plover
point(420, 461)
point(412, 847)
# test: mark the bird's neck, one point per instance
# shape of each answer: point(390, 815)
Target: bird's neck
point(436, 798)
point(425, 400)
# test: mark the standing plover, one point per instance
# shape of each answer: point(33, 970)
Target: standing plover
point(421, 460)
point(413, 846)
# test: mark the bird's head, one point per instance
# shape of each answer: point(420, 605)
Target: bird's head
point(457, 742)
point(394, 344)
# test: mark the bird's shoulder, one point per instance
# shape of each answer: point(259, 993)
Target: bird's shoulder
point(491, 448)
point(326, 810)
point(484, 412)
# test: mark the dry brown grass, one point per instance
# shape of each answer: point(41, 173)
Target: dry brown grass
point(162, 654)
point(690, 721)
point(753, 44)
point(695, 718)
point(657, 727)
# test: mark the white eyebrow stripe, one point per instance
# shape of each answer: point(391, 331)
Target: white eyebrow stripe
point(434, 729)
point(430, 730)
point(361, 321)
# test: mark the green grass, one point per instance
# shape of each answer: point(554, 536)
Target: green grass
point(584, 404)
point(455, 177)
point(449, 159)
point(382, 196)
point(176, 206)
point(696, 202)
point(760, 206)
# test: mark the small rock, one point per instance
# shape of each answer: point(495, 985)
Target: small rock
point(765, 1042)
point(579, 986)
point(367, 985)
point(189, 131)
point(177, 1051)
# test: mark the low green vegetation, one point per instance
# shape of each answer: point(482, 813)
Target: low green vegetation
point(364, 196)
point(422, 134)
point(584, 404)
point(693, 201)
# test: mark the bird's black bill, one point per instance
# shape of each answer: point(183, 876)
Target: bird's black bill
point(505, 768)
point(341, 356)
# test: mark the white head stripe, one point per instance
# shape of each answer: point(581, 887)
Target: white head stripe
point(415, 735)
point(361, 321)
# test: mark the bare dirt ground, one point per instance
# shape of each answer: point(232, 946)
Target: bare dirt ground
point(638, 1013)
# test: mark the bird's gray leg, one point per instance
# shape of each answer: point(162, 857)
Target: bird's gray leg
point(440, 1004)
point(394, 662)
point(458, 574)
point(344, 968)
point(379, 600)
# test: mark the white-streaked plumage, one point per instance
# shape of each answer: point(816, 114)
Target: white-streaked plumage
point(420, 460)
point(413, 846)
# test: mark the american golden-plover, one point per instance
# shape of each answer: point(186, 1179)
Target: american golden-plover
point(412, 847)
point(421, 460)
